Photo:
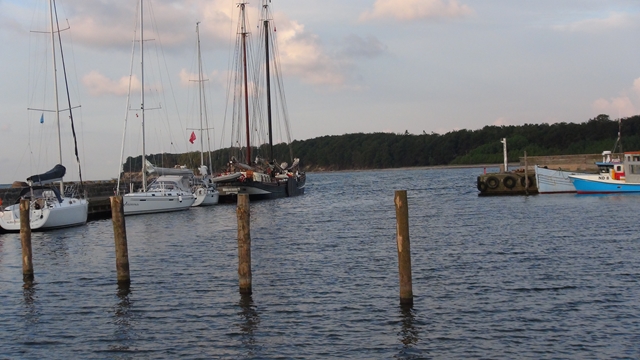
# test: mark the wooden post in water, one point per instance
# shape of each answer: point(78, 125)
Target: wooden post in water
point(526, 175)
point(404, 249)
point(120, 237)
point(244, 244)
point(25, 239)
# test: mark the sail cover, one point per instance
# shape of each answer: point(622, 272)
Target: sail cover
point(50, 176)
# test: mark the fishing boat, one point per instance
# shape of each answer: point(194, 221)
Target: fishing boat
point(203, 188)
point(50, 207)
point(261, 177)
point(557, 181)
point(168, 192)
point(621, 178)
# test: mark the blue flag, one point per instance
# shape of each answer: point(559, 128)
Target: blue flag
point(42, 118)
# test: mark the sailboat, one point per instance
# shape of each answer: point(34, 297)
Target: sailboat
point(204, 190)
point(50, 207)
point(259, 178)
point(167, 192)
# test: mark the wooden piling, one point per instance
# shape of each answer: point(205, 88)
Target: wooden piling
point(120, 237)
point(404, 249)
point(244, 244)
point(526, 175)
point(25, 239)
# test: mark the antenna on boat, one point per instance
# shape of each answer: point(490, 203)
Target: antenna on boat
point(618, 142)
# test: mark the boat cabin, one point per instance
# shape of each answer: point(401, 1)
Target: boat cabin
point(632, 166)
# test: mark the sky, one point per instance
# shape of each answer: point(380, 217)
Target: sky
point(367, 66)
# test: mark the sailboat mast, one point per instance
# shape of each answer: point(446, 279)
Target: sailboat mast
point(144, 153)
point(246, 89)
point(267, 71)
point(55, 87)
point(200, 93)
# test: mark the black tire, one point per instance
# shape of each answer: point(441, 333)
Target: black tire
point(492, 182)
point(532, 180)
point(482, 187)
point(509, 182)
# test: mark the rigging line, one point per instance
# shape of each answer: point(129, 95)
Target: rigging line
point(66, 85)
point(128, 103)
point(228, 80)
point(77, 90)
point(175, 102)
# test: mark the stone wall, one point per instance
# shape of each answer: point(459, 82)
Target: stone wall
point(584, 163)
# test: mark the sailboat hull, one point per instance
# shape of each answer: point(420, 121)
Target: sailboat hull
point(260, 190)
point(71, 212)
point(149, 203)
point(205, 196)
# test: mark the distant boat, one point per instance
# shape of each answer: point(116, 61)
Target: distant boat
point(203, 189)
point(259, 178)
point(50, 207)
point(622, 178)
point(557, 181)
point(168, 192)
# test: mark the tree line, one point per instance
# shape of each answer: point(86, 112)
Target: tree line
point(388, 150)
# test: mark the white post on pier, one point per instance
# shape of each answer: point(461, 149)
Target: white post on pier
point(504, 141)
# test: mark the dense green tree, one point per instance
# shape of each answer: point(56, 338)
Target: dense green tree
point(387, 150)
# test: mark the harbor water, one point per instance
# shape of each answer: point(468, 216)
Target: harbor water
point(545, 276)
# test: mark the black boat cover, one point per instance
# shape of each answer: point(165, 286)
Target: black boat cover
point(52, 175)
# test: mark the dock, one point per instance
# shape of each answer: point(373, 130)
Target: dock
point(513, 182)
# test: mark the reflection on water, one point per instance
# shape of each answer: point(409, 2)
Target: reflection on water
point(249, 324)
point(408, 334)
point(123, 318)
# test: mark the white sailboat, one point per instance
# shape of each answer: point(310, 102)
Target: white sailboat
point(50, 208)
point(167, 192)
point(204, 190)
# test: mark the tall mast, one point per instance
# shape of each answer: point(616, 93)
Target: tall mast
point(200, 93)
point(266, 47)
point(246, 90)
point(144, 153)
point(55, 87)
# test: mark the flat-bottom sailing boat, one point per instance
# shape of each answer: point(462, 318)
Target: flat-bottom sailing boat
point(49, 207)
point(260, 179)
point(167, 192)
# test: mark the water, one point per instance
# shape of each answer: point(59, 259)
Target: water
point(549, 276)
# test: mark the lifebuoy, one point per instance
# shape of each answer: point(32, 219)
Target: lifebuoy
point(509, 182)
point(492, 182)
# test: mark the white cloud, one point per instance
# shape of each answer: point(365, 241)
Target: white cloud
point(98, 84)
point(501, 121)
point(625, 105)
point(416, 10)
point(302, 55)
point(614, 21)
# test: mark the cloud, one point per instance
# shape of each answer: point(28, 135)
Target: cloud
point(410, 10)
point(106, 23)
point(368, 47)
point(625, 105)
point(98, 84)
point(501, 121)
point(302, 54)
point(614, 21)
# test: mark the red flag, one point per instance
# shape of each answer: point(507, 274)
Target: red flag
point(192, 139)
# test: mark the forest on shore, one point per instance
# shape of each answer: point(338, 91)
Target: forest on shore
point(461, 147)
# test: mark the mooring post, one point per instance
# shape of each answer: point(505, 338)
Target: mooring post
point(404, 248)
point(120, 237)
point(526, 175)
point(25, 239)
point(244, 244)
